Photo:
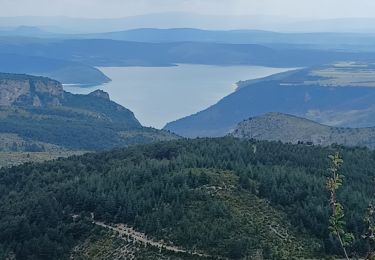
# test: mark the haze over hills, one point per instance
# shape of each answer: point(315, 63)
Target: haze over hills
point(102, 52)
point(292, 129)
point(343, 41)
point(72, 59)
point(25, 31)
point(338, 95)
point(61, 24)
point(316, 40)
point(68, 72)
point(189, 20)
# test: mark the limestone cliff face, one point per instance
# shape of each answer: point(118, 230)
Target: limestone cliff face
point(22, 90)
point(11, 90)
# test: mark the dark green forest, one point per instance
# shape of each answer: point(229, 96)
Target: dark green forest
point(225, 197)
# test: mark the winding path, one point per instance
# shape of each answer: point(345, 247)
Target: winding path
point(140, 237)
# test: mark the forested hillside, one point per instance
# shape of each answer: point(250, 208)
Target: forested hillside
point(221, 197)
point(37, 115)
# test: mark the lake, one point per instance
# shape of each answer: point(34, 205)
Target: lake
point(158, 95)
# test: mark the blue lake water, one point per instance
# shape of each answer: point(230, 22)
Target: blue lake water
point(158, 95)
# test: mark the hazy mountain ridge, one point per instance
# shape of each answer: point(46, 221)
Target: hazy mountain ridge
point(355, 41)
point(67, 72)
point(63, 24)
point(292, 129)
point(74, 61)
point(317, 40)
point(104, 52)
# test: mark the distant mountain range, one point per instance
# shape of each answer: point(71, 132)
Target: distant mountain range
point(36, 112)
point(25, 31)
point(318, 40)
point(104, 52)
point(338, 95)
point(74, 58)
point(292, 129)
point(188, 20)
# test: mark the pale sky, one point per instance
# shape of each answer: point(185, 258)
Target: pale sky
point(123, 8)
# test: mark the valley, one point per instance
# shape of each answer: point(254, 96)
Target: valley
point(187, 88)
point(156, 195)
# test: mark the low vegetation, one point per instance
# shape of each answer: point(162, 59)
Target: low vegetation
point(297, 130)
point(8, 159)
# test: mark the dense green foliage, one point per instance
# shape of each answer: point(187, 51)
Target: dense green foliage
point(201, 194)
point(73, 130)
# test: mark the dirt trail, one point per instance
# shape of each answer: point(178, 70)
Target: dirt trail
point(140, 237)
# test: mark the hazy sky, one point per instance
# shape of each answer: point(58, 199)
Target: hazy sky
point(122, 8)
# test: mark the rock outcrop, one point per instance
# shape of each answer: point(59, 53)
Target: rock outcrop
point(100, 94)
point(24, 90)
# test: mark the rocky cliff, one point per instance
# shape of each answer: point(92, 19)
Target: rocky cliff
point(25, 90)
point(100, 94)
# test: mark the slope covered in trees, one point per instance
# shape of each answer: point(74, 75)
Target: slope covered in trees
point(223, 197)
point(37, 115)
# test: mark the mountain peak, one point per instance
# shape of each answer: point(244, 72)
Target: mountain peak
point(292, 129)
point(100, 94)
